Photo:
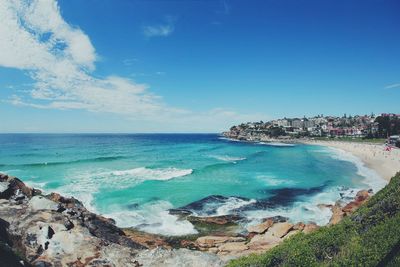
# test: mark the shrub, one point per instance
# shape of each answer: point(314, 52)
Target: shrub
point(369, 237)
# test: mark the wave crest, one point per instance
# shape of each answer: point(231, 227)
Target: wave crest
point(227, 158)
point(154, 174)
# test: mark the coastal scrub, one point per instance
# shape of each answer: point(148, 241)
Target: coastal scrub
point(369, 237)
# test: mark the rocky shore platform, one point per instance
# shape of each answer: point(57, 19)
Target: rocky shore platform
point(52, 230)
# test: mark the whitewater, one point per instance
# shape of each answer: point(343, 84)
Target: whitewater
point(137, 179)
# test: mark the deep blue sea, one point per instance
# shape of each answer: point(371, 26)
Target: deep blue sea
point(135, 179)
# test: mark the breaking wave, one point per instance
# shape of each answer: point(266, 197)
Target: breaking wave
point(227, 158)
point(153, 218)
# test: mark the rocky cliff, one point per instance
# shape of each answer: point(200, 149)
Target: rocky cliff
point(51, 230)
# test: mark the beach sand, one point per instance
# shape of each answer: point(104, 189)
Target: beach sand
point(374, 156)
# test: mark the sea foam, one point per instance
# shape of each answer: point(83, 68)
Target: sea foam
point(153, 218)
point(371, 177)
point(279, 144)
point(85, 185)
point(153, 174)
point(227, 158)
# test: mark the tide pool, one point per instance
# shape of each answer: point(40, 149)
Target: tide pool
point(136, 179)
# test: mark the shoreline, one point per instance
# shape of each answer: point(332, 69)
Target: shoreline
point(57, 229)
point(216, 245)
point(385, 163)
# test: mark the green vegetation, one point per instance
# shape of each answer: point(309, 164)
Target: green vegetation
point(369, 237)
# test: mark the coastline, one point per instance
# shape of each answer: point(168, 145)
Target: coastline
point(51, 229)
point(385, 163)
point(217, 243)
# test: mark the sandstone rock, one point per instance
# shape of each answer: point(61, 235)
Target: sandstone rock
point(362, 195)
point(178, 257)
point(213, 241)
point(260, 228)
point(280, 229)
point(264, 239)
point(291, 233)
point(233, 247)
point(220, 220)
point(360, 198)
point(337, 214)
point(213, 250)
point(277, 219)
point(311, 227)
point(299, 226)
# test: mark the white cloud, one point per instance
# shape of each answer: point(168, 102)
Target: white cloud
point(61, 59)
point(395, 85)
point(162, 30)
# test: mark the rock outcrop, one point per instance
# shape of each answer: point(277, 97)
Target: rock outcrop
point(51, 230)
point(340, 210)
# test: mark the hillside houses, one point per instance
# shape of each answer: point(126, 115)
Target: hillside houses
point(318, 126)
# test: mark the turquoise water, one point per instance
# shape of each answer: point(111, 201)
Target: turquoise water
point(135, 179)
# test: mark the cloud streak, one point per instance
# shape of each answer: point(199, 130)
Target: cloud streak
point(391, 86)
point(161, 30)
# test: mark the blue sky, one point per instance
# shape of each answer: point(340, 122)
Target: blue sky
point(193, 66)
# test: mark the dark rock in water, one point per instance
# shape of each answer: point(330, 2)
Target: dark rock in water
point(199, 204)
point(133, 206)
point(206, 206)
point(180, 212)
point(277, 219)
point(220, 220)
point(280, 197)
point(286, 196)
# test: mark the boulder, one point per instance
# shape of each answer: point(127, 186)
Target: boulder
point(299, 226)
point(280, 229)
point(337, 214)
point(311, 227)
point(260, 228)
point(213, 241)
point(359, 199)
point(13, 187)
point(220, 220)
point(362, 195)
point(264, 239)
point(233, 247)
point(41, 203)
point(291, 233)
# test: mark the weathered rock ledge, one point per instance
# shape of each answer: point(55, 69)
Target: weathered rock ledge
point(52, 230)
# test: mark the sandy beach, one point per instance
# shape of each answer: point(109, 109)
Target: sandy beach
point(374, 156)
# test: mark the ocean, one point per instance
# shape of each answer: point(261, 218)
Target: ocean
point(136, 178)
